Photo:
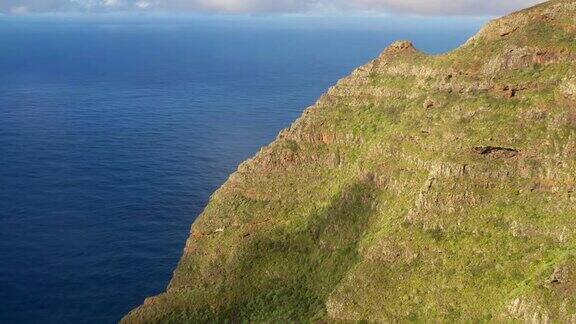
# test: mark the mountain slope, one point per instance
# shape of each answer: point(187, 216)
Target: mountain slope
point(419, 187)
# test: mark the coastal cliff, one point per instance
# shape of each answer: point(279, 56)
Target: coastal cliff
point(420, 187)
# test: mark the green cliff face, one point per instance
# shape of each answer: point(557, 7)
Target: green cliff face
point(418, 188)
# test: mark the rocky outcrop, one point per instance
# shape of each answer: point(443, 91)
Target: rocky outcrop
point(502, 152)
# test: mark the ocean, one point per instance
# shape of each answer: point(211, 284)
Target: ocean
point(114, 132)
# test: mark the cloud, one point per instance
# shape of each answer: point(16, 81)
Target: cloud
point(426, 7)
point(443, 7)
point(20, 10)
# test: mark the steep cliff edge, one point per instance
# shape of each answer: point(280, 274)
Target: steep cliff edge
point(419, 187)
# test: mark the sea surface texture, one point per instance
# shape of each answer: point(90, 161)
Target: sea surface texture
point(114, 133)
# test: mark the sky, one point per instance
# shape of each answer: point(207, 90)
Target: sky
point(417, 7)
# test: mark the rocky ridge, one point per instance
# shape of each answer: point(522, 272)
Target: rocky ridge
point(418, 188)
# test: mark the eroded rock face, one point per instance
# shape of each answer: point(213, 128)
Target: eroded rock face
point(522, 58)
point(419, 188)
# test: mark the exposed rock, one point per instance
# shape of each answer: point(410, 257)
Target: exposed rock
point(428, 103)
point(509, 31)
point(524, 310)
point(334, 160)
point(568, 87)
point(560, 275)
point(518, 58)
point(509, 91)
point(495, 151)
point(499, 28)
point(399, 47)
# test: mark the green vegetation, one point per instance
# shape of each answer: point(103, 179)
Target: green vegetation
point(439, 188)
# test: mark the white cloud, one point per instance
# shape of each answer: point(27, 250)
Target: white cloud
point(20, 10)
point(427, 7)
point(111, 3)
point(143, 4)
point(463, 7)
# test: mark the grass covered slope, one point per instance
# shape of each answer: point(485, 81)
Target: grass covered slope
point(419, 187)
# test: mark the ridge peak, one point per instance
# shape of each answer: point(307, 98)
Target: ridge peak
point(400, 46)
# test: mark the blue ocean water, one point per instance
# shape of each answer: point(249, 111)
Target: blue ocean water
point(114, 132)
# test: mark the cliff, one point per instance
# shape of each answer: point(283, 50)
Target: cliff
point(420, 187)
